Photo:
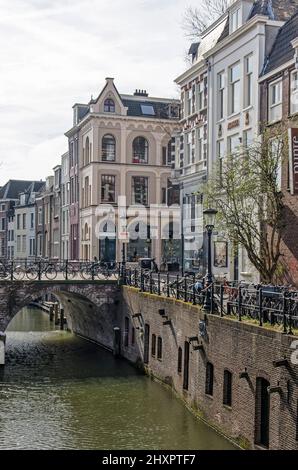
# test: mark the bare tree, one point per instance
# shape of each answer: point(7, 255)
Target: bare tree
point(197, 19)
point(246, 190)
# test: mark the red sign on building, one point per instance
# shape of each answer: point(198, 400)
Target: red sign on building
point(293, 144)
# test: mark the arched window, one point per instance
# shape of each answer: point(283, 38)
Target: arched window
point(109, 106)
point(227, 388)
point(87, 151)
point(179, 360)
point(140, 150)
point(86, 232)
point(108, 152)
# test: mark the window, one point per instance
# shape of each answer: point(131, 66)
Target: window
point(220, 156)
point(133, 336)
point(23, 243)
point(107, 188)
point(24, 221)
point(140, 190)
point(234, 80)
point(108, 148)
point(233, 143)
point(209, 379)
point(275, 101)
point(200, 95)
point(31, 220)
point(220, 94)
point(189, 96)
point(159, 348)
point(2, 224)
point(147, 110)
point(294, 93)
point(87, 152)
point(247, 138)
point(153, 346)
point(167, 154)
point(235, 20)
point(18, 221)
point(39, 215)
point(227, 388)
point(140, 150)
point(179, 360)
point(109, 106)
point(200, 147)
point(248, 80)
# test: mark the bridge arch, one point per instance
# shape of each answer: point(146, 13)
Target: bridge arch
point(91, 307)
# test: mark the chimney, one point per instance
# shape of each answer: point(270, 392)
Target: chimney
point(141, 93)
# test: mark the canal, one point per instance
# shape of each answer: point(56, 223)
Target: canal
point(58, 391)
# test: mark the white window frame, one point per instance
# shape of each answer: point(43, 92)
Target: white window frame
point(234, 25)
point(220, 94)
point(248, 81)
point(234, 84)
point(274, 106)
point(294, 92)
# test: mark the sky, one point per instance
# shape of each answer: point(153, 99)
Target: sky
point(54, 53)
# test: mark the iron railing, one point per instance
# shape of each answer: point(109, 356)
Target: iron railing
point(275, 305)
point(50, 269)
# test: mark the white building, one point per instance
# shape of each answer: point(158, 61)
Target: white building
point(64, 227)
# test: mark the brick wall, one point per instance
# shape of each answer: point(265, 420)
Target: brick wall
point(240, 348)
point(289, 244)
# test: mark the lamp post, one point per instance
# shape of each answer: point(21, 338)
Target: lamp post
point(209, 215)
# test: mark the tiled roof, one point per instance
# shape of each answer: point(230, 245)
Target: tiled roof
point(280, 10)
point(13, 188)
point(282, 50)
point(161, 110)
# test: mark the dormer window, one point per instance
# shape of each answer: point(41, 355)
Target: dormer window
point(109, 106)
point(235, 20)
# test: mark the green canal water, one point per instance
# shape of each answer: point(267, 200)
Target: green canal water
point(58, 391)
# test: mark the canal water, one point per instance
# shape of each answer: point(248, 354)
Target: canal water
point(58, 391)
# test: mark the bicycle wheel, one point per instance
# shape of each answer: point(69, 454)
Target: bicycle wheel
point(31, 273)
point(71, 272)
point(86, 273)
point(50, 273)
point(18, 273)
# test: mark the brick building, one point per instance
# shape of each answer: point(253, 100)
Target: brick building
point(279, 102)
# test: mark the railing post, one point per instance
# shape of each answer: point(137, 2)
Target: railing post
point(221, 299)
point(142, 281)
point(39, 270)
point(158, 280)
point(284, 312)
point(211, 297)
point(194, 290)
point(290, 316)
point(261, 306)
point(177, 287)
point(239, 303)
point(11, 271)
point(150, 282)
point(135, 276)
point(92, 270)
point(185, 289)
point(168, 284)
point(66, 269)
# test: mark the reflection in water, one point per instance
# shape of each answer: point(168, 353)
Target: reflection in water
point(58, 391)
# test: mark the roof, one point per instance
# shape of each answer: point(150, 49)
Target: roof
point(282, 50)
point(13, 188)
point(160, 110)
point(280, 10)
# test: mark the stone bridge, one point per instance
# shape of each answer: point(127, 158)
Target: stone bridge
point(89, 306)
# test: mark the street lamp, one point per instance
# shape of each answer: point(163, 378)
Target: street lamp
point(209, 215)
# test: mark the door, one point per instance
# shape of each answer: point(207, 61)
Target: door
point(146, 343)
point(262, 412)
point(186, 366)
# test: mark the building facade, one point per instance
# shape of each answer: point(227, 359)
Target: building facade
point(124, 149)
point(226, 65)
point(64, 220)
point(279, 103)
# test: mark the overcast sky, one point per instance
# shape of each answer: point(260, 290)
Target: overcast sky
point(54, 53)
